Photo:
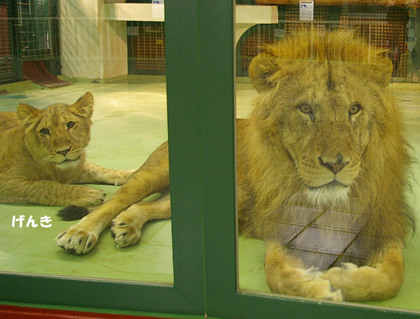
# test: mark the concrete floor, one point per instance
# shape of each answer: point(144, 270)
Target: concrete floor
point(131, 115)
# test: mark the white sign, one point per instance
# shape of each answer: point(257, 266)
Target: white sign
point(158, 10)
point(306, 10)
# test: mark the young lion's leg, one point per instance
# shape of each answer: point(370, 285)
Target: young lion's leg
point(285, 275)
point(45, 192)
point(93, 174)
point(151, 178)
point(380, 281)
point(126, 227)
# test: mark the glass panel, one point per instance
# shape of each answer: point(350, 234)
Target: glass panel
point(118, 56)
point(324, 172)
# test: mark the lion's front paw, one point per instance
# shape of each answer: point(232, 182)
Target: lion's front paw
point(335, 296)
point(120, 177)
point(76, 240)
point(88, 197)
point(356, 283)
point(340, 274)
point(124, 231)
point(304, 283)
point(321, 289)
point(126, 175)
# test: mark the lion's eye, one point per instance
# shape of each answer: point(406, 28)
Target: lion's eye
point(305, 108)
point(70, 125)
point(354, 109)
point(45, 131)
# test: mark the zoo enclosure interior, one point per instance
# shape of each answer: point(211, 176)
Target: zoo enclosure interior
point(155, 56)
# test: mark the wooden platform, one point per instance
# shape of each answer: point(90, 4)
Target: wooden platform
point(37, 72)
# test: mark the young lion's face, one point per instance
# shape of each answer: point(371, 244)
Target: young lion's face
point(59, 133)
point(324, 112)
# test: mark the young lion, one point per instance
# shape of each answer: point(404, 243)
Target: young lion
point(324, 128)
point(42, 152)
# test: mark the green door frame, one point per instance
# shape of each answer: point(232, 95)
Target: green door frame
point(187, 295)
point(217, 120)
point(201, 125)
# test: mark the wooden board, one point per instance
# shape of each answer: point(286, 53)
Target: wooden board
point(346, 2)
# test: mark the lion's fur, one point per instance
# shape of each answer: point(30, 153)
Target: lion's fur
point(41, 150)
point(324, 131)
point(347, 71)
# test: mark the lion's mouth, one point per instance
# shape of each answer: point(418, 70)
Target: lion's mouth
point(331, 186)
point(68, 162)
point(332, 194)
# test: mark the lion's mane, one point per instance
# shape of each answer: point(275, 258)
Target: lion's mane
point(273, 178)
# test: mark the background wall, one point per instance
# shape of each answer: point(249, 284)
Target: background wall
point(91, 47)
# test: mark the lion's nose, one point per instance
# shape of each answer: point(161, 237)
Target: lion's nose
point(334, 166)
point(63, 152)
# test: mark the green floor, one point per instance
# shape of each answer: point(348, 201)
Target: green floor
point(129, 122)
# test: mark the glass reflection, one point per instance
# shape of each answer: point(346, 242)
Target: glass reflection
point(304, 226)
point(77, 47)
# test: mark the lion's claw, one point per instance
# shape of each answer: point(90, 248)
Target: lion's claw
point(76, 240)
point(124, 233)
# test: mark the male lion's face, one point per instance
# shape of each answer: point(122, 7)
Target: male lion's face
point(324, 111)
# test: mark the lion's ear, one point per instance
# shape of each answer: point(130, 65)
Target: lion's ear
point(261, 70)
point(27, 114)
point(382, 72)
point(83, 106)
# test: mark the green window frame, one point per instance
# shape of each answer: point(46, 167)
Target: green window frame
point(201, 126)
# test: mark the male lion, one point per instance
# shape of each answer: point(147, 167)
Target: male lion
point(324, 128)
point(42, 152)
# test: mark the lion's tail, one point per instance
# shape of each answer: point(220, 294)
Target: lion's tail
point(75, 212)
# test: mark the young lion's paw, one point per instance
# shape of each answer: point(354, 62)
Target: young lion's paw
point(120, 177)
point(76, 240)
point(89, 196)
point(124, 231)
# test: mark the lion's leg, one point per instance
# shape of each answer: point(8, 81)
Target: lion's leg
point(45, 192)
point(126, 227)
point(151, 178)
point(285, 275)
point(382, 280)
point(93, 174)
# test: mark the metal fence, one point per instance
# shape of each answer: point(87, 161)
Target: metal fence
point(34, 29)
point(36, 33)
point(28, 33)
point(146, 47)
point(7, 69)
point(384, 27)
